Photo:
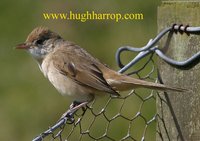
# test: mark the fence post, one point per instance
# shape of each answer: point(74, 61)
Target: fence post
point(181, 120)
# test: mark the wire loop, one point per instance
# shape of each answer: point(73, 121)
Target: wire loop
point(151, 47)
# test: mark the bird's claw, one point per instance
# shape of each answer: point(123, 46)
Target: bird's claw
point(73, 108)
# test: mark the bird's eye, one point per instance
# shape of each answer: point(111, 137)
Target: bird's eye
point(40, 41)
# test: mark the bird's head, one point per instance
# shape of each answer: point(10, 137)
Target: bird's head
point(39, 42)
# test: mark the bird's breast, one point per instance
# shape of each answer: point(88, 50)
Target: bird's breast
point(65, 85)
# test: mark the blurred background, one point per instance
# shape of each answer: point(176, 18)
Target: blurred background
point(28, 102)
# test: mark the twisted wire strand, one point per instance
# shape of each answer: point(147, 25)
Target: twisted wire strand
point(152, 47)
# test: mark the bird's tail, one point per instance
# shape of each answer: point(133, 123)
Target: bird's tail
point(120, 82)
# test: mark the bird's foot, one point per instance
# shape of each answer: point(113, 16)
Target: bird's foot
point(74, 104)
point(73, 108)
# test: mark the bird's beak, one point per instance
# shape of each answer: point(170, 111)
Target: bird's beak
point(22, 46)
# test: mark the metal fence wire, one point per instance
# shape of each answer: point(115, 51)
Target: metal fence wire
point(132, 116)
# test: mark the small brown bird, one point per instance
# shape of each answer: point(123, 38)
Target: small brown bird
point(74, 72)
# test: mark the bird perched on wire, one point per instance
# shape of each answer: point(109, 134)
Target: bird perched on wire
point(76, 73)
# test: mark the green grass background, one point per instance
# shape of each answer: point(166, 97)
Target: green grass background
point(28, 102)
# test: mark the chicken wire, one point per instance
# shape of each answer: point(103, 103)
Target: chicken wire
point(132, 116)
point(128, 117)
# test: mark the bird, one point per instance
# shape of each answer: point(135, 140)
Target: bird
point(76, 73)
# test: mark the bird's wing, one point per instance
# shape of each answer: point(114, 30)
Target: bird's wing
point(81, 67)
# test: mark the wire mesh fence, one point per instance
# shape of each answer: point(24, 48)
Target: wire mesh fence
point(133, 115)
point(129, 117)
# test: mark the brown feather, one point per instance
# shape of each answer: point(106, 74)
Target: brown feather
point(81, 67)
point(78, 65)
point(86, 73)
